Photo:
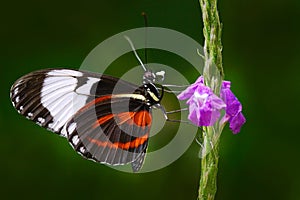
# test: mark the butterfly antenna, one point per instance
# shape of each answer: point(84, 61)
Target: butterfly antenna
point(146, 26)
point(135, 53)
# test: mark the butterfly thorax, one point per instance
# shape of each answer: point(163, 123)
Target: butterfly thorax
point(151, 93)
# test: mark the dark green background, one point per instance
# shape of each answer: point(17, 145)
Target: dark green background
point(261, 58)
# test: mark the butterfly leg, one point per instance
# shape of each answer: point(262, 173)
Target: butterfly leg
point(165, 113)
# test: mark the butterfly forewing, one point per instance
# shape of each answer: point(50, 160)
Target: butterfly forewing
point(104, 118)
point(50, 97)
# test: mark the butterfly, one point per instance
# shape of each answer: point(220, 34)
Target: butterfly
point(104, 118)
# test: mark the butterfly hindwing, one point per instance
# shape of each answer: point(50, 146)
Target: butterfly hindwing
point(111, 132)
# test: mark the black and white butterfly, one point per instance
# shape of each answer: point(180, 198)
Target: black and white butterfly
point(105, 119)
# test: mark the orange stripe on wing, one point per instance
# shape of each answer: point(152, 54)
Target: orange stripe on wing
point(132, 144)
point(125, 117)
point(102, 120)
point(97, 100)
point(140, 118)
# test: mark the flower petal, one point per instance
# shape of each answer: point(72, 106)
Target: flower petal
point(193, 115)
point(205, 118)
point(187, 93)
point(217, 103)
point(233, 110)
point(233, 104)
point(236, 122)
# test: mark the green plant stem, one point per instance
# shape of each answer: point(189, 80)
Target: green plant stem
point(213, 75)
point(212, 31)
point(209, 166)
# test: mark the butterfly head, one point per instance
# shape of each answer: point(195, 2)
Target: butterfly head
point(151, 77)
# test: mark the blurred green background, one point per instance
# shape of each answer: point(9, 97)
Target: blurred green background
point(261, 58)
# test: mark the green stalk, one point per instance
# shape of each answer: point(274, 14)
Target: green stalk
point(213, 75)
point(212, 32)
point(209, 165)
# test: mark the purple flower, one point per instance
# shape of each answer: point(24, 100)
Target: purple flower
point(233, 109)
point(205, 106)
